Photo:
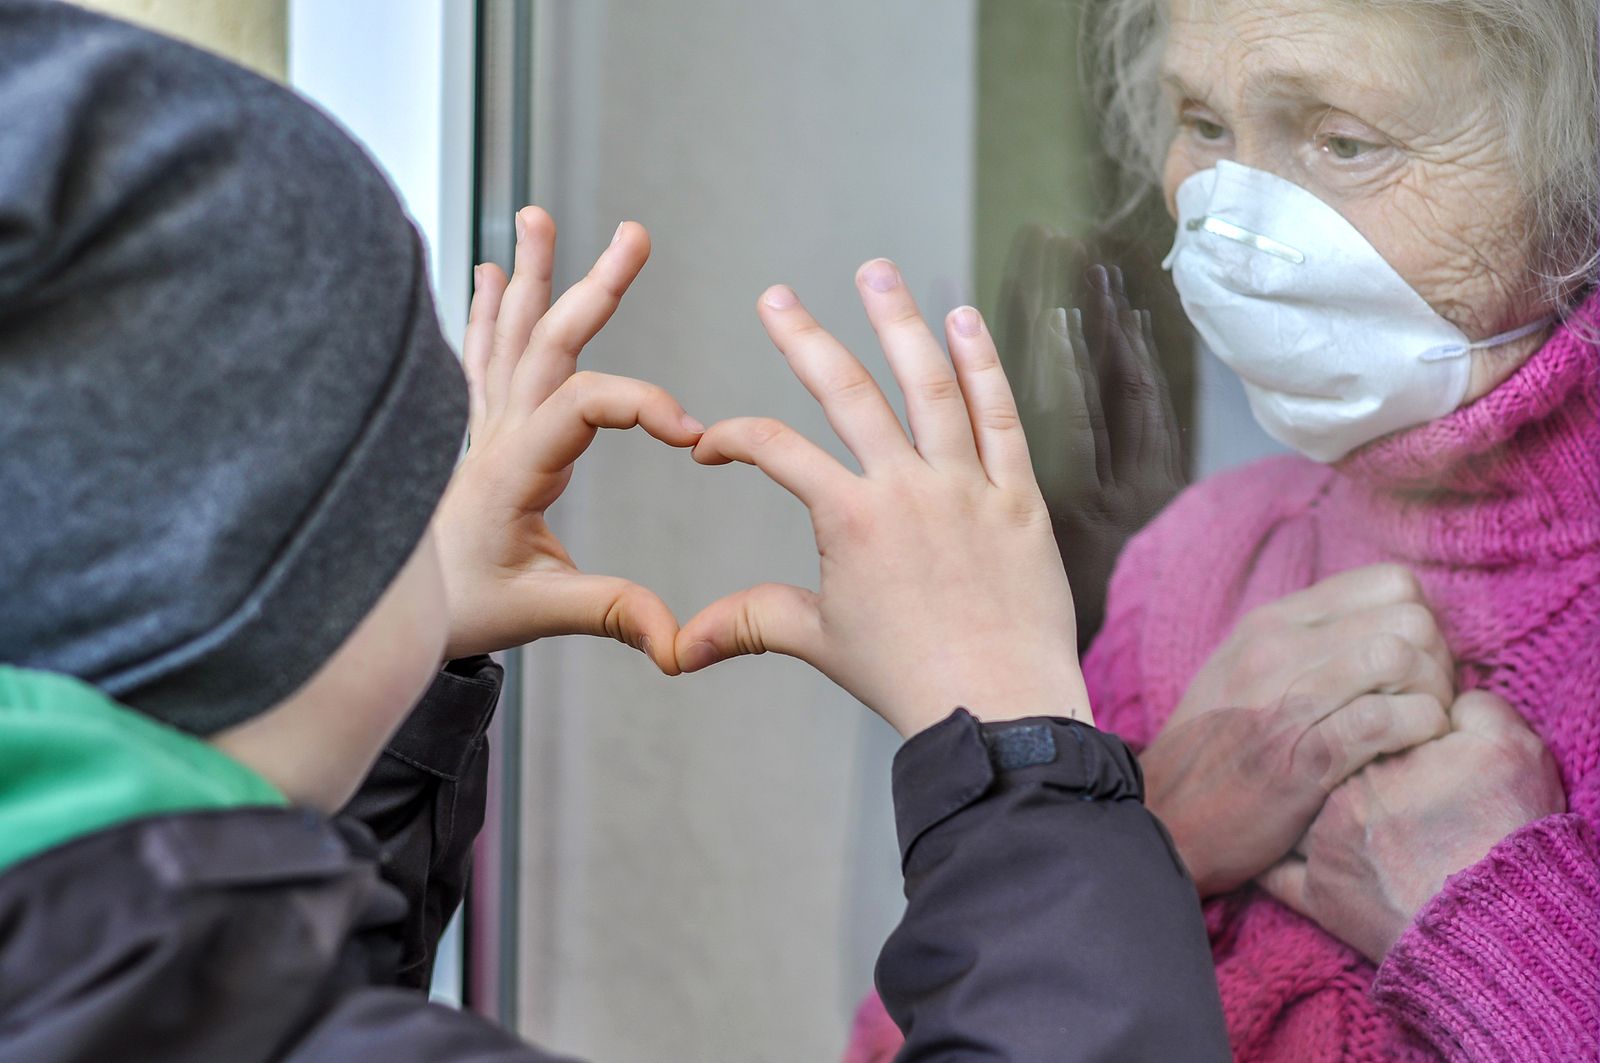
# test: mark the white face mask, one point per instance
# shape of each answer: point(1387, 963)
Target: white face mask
point(1334, 348)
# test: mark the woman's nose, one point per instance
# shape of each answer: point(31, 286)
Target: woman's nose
point(1259, 154)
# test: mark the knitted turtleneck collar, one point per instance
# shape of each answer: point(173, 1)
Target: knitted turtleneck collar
point(1514, 476)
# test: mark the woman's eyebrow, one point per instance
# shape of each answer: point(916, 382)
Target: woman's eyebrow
point(1175, 80)
point(1331, 88)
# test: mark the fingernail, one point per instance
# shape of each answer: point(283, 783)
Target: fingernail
point(618, 234)
point(968, 323)
point(477, 277)
point(780, 297)
point(644, 647)
point(693, 425)
point(522, 227)
point(700, 655)
point(880, 275)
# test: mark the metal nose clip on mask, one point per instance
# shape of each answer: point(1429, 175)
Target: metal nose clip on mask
point(1334, 348)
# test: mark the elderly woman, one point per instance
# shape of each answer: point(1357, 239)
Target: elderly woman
point(1365, 681)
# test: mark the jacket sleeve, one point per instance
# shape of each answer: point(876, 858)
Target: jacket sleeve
point(1047, 916)
point(1500, 965)
point(424, 802)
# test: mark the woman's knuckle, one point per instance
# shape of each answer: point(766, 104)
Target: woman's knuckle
point(1388, 656)
point(1398, 583)
point(1415, 622)
point(1367, 721)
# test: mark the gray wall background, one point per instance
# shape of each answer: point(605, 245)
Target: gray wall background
point(709, 862)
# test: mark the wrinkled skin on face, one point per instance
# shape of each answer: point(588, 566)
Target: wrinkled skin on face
point(1388, 120)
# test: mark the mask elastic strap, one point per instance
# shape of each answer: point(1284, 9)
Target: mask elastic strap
point(1456, 350)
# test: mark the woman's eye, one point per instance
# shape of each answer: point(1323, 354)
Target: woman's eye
point(1203, 127)
point(1348, 147)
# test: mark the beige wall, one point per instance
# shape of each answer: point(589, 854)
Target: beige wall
point(710, 861)
point(251, 32)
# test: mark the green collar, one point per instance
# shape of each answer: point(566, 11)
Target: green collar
point(72, 762)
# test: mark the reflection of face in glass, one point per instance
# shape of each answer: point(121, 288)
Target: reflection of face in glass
point(1388, 119)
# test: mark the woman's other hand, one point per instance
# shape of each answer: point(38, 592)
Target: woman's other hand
point(1305, 692)
point(509, 580)
point(940, 581)
point(1386, 840)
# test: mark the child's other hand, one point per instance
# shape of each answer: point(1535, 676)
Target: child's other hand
point(940, 583)
point(508, 578)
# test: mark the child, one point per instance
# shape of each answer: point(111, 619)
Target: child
point(237, 792)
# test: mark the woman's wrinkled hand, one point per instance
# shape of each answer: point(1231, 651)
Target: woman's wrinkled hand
point(508, 579)
point(1386, 840)
point(940, 583)
point(1304, 693)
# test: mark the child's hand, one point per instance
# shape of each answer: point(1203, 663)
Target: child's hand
point(941, 584)
point(508, 579)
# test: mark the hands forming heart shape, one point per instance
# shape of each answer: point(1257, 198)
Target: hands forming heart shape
point(940, 582)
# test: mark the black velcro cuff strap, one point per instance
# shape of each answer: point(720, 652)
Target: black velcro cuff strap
point(959, 761)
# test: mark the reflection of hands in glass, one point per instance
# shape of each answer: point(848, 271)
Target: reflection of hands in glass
point(1385, 841)
point(1094, 403)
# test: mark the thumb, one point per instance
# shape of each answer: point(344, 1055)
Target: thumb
point(610, 607)
point(1286, 881)
point(1481, 712)
point(770, 617)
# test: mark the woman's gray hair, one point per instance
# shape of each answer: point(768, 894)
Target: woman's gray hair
point(1538, 58)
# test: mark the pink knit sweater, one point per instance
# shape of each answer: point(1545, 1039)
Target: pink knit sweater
point(1496, 507)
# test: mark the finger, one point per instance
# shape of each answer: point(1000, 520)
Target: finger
point(772, 617)
point(610, 607)
point(1148, 391)
point(1107, 333)
point(1381, 662)
point(561, 429)
point(1349, 592)
point(991, 408)
point(1286, 881)
point(1367, 728)
point(525, 301)
point(1411, 621)
point(1068, 259)
point(1093, 404)
point(1023, 292)
point(1051, 402)
point(935, 409)
point(1160, 439)
point(581, 312)
point(488, 286)
point(791, 460)
point(850, 398)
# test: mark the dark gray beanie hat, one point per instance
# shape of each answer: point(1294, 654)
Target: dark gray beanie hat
point(226, 409)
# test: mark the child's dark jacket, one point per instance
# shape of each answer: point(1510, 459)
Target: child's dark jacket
point(1047, 917)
